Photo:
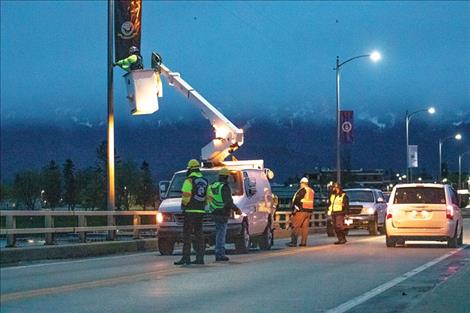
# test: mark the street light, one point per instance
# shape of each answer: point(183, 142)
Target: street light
point(460, 167)
point(441, 141)
point(430, 110)
point(374, 56)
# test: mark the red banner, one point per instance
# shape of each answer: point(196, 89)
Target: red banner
point(347, 127)
point(127, 26)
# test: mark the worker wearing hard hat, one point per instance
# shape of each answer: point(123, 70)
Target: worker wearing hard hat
point(338, 208)
point(193, 204)
point(132, 62)
point(302, 209)
point(221, 205)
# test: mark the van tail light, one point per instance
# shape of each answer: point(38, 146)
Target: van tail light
point(450, 212)
point(389, 216)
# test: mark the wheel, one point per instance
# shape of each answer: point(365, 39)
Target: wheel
point(166, 246)
point(266, 240)
point(242, 242)
point(373, 227)
point(460, 240)
point(453, 241)
point(329, 229)
point(390, 242)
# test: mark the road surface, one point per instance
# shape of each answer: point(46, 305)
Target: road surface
point(361, 276)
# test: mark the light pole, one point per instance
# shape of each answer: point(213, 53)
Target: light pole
point(441, 141)
point(460, 167)
point(408, 116)
point(374, 56)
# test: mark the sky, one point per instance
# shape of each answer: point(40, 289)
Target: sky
point(250, 59)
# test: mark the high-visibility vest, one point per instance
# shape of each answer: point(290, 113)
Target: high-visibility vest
point(214, 196)
point(336, 202)
point(194, 193)
point(307, 201)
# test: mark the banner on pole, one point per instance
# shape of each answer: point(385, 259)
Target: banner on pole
point(413, 155)
point(127, 26)
point(347, 127)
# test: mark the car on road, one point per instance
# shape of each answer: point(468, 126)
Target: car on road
point(367, 210)
point(251, 193)
point(424, 212)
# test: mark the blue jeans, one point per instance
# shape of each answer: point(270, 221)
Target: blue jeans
point(220, 234)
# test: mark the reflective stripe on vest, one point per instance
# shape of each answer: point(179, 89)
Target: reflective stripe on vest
point(307, 201)
point(215, 196)
point(336, 202)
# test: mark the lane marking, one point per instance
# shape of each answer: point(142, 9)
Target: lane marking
point(380, 289)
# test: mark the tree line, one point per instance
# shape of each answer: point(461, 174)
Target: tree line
point(63, 185)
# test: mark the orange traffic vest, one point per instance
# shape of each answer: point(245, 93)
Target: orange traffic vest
point(307, 201)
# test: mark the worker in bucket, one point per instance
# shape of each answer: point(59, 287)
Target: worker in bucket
point(132, 62)
point(193, 204)
point(302, 209)
point(221, 205)
point(338, 208)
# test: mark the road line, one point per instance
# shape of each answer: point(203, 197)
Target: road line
point(380, 289)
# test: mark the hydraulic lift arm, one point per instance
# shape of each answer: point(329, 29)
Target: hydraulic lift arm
point(228, 137)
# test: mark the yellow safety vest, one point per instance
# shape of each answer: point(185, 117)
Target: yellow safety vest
point(307, 201)
point(336, 203)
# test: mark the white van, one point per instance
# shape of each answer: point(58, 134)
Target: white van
point(251, 192)
point(424, 212)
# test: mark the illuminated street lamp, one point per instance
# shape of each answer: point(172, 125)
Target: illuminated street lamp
point(441, 141)
point(460, 167)
point(374, 56)
point(408, 116)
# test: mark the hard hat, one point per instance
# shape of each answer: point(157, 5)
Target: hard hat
point(304, 180)
point(224, 172)
point(133, 49)
point(193, 164)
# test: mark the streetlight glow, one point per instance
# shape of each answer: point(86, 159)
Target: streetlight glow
point(458, 136)
point(375, 56)
point(431, 110)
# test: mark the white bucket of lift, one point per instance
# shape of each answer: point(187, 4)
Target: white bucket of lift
point(143, 91)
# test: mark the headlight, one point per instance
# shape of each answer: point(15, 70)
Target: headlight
point(237, 216)
point(164, 217)
point(368, 211)
point(159, 217)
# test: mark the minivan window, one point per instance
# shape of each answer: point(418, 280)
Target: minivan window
point(360, 196)
point(429, 195)
point(235, 182)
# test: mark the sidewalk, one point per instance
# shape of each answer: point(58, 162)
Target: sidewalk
point(449, 297)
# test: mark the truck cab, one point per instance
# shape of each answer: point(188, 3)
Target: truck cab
point(251, 193)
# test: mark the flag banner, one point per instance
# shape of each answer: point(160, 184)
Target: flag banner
point(347, 126)
point(413, 156)
point(127, 26)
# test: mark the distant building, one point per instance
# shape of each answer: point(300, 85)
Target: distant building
point(375, 178)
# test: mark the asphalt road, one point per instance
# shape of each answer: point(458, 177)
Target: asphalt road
point(361, 276)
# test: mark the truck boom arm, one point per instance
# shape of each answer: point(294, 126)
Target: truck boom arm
point(228, 137)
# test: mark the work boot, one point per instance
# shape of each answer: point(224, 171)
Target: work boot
point(199, 262)
point(183, 261)
point(303, 245)
point(222, 259)
point(291, 244)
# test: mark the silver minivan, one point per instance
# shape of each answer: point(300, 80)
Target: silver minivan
point(424, 212)
point(251, 192)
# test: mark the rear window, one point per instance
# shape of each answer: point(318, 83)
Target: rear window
point(360, 196)
point(420, 195)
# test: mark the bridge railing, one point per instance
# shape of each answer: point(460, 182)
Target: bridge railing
point(282, 220)
point(82, 228)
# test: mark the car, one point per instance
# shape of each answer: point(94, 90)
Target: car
point(424, 212)
point(367, 210)
point(251, 193)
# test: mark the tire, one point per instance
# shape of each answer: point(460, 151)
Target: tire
point(166, 246)
point(373, 227)
point(242, 242)
point(453, 241)
point(266, 240)
point(329, 229)
point(460, 240)
point(390, 242)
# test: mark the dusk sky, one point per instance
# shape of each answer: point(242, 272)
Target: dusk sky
point(250, 59)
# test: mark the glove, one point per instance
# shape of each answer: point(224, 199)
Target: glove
point(238, 211)
point(296, 208)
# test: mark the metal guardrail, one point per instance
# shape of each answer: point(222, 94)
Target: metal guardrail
point(11, 231)
point(282, 220)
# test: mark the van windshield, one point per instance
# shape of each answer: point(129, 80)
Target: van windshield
point(235, 182)
point(420, 195)
point(360, 196)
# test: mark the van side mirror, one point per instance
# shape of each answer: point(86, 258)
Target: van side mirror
point(250, 186)
point(163, 187)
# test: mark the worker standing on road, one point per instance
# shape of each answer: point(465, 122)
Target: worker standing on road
point(302, 209)
point(221, 204)
point(193, 204)
point(132, 62)
point(338, 208)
